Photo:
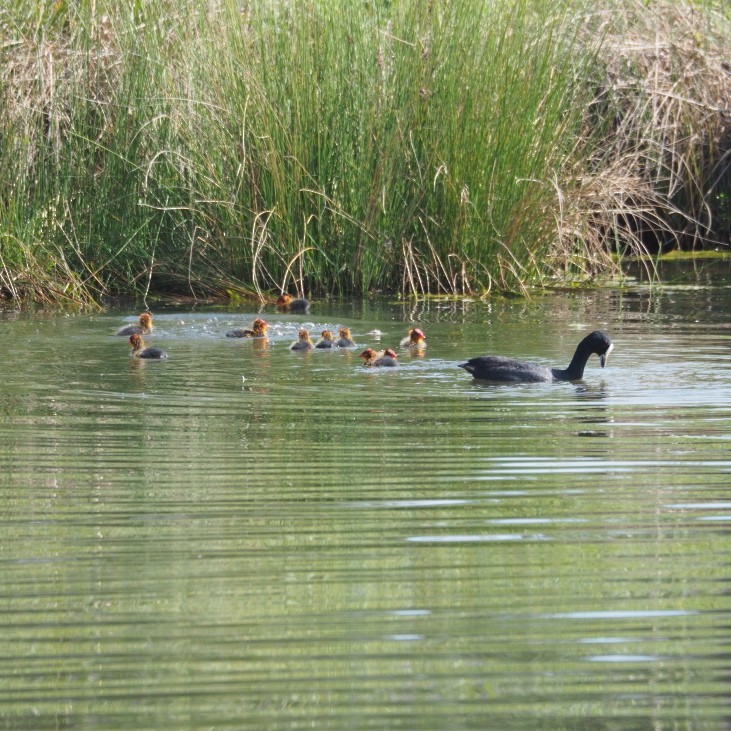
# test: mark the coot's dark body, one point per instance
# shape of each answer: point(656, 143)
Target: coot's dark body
point(152, 353)
point(507, 370)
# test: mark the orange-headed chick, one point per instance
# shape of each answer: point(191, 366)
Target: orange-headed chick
point(371, 358)
point(345, 340)
point(415, 339)
point(258, 330)
point(326, 341)
point(303, 341)
point(140, 351)
point(144, 328)
point(289, 303)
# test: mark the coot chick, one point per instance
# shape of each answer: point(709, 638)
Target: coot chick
point(345, 340)
point(140, 351)
point(371, 358)
point(259, 330)
point(326, 341)
point(144, 328)
point(303, 341)
point(415, 339)
point(497, 368)
point(290, 304)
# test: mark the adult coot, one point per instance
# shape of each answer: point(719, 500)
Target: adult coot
point(140, 351)
point(144, 328)
point(290, 304)
point(497, 368)
point(258, 330)
point(371, 358)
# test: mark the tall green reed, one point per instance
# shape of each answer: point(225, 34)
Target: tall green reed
point(400, 148)
point(324, 146)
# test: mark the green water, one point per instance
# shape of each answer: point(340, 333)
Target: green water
point(246, 537)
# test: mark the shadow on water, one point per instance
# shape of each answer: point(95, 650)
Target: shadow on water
point(243, 536)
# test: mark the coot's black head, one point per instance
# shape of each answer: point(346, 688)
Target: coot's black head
point(598, 342)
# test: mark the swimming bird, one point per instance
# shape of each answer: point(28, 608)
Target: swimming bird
point(497, 368)
point(259, 330)
point(326, 341)
point(287, 302)
point(371, 358)
point(140, 351)
point(415, 339)
point(345, 340)
point(144, 328)
point(303, 341)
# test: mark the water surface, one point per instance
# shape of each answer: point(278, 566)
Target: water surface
point(246, 537)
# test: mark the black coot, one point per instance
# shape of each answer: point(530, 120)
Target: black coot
point(497, 368)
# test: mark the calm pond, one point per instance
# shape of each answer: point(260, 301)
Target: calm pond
point(247, 537)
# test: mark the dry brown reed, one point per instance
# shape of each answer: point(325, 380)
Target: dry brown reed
point(657, 146)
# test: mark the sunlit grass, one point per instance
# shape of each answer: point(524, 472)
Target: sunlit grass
point(340, 147)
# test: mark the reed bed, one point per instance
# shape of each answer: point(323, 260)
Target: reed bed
point(224, 149)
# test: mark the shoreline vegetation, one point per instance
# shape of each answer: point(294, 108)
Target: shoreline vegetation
point(226, 149)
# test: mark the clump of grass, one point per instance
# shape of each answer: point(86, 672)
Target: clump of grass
point(332, 147)
point(660, 118)
point(396, 150)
